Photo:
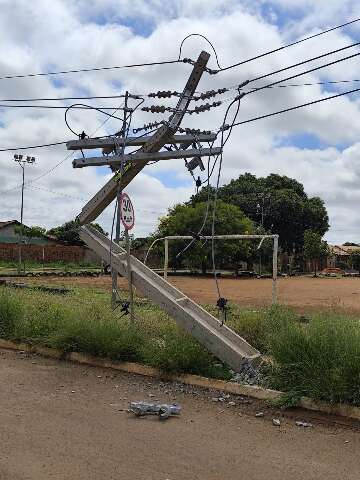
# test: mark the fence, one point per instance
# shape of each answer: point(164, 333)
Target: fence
point(45, 253)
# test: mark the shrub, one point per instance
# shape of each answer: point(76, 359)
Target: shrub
point(320, 360)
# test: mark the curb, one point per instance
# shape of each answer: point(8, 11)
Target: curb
point(194, 380)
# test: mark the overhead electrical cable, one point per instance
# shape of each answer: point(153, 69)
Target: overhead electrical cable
point(314, 102)
point(289, 45)
point(56, 99)
point(78, 106)
point(47, 172)
point(303, 73)
point(94, 69)
point(307, 84)
point(261, 77)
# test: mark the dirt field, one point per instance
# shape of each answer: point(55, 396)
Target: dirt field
point(303, 293)
point(65, 421)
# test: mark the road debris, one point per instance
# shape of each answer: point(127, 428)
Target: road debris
point(259, 414)
point(304, 424)
point(164, 410)
point(276, 422)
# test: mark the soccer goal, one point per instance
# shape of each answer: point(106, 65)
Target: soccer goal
point(275, 239)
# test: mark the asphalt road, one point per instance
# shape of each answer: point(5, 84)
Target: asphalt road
point(63, 421)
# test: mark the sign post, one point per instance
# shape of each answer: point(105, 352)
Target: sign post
point(128, 220)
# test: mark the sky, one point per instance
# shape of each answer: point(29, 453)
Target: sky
point(317, 145)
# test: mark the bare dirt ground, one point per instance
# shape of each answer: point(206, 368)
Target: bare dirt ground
point(64, 421)
point(302, 293)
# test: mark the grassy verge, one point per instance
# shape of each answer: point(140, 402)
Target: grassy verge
point(318, 357)
point(85, 323)
point(59, 265)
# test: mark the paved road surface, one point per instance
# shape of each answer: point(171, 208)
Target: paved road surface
point(65, 421)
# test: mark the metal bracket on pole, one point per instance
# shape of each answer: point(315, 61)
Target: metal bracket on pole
point(107, 194)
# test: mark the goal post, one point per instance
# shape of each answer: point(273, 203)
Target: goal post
point(275, 239)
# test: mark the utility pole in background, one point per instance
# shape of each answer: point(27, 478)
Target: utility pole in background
point(22, 162)
point(114, 273)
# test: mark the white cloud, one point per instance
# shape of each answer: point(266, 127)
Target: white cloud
point(42, 36)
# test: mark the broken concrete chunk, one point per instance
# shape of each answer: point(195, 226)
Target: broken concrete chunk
point(304, 424)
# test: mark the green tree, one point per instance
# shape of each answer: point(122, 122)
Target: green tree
point(30, 232)
point(278, 203)
point(355, 258)
point(69, 232)
point(314, 247)
point(186, 220)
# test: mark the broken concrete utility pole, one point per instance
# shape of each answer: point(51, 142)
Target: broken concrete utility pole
point(219, 339)
point(107, 194)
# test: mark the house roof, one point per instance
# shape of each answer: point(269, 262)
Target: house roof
point(45, 235)
point(343, 250)
point(8, 222)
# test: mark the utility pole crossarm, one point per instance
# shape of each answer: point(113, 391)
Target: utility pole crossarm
point(112, 142)
point(115, 160)
point(107, 194)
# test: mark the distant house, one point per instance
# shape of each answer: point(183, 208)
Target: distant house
point(340, 255)
point(9, 234)
point(44, 248)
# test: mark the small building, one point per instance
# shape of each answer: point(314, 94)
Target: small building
point(42, 249)
point(339, 256)
point(9, 233)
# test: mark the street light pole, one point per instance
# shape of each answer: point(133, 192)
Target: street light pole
point(22, 162)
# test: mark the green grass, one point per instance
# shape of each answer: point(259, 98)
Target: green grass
point(319, 359)
point(58, 265)
point(85, 323)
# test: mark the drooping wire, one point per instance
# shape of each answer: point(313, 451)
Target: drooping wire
point(206, 39)
point(110, 115)
point(67, 157)
point(238, 99)
point(202, 226)
point(289, 45)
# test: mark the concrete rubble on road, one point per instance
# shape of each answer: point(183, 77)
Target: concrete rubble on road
point(164, 411)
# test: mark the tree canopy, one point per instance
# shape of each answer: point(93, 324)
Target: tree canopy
point(314, 246)
point(31, 232)
point(186, 220)
point(69, 232)
point(277, 202)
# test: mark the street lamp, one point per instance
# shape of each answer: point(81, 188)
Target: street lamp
point(22, 161)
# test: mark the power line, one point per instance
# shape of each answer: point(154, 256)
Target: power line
point(14, 149)
point(296, 107)
point(261, 77)
point(55, 99)
point(59, 163)
point(288, 45)
point(308, 84)
point(61, 107)
point(305, 72)
point(98, 69)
